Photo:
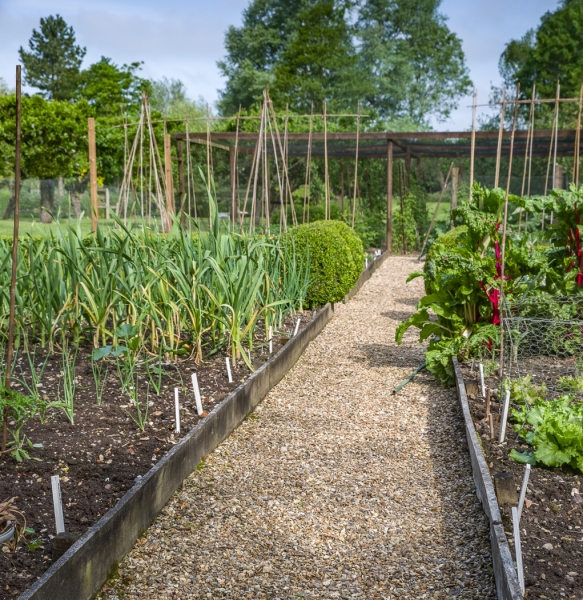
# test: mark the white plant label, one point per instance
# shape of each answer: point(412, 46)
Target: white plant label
point(229, 370)
point(523, 491)
point(270, 340)
point(366, 263)
point(504, 416)
point(297, 328)
point(518, 548)
point(482, 380)
point(58, 504)
point(177, 409)
point(196, 390)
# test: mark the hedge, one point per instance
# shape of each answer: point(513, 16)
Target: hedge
point(336, 256)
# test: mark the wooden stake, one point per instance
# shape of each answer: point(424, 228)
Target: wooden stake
point(181, 186)
point(454, 185)
point(11, 314)
point(233, 163)
point(435, 211)
point(342, 188)
point(326, 174)
point(92, 173)
point(504, 226)
point(170, 209)
point(556, 142)
point(529, 136)
point(390, 196)
point(577, 142)
point(308, 179)
point(491, 424)
point(500, 135)
point(473, 142)
point(401, 188)
point(356, 165)
point(488, 401)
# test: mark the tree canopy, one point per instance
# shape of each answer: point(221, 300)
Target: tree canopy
point(398, 56)
point(54, 60)
point(547, 54)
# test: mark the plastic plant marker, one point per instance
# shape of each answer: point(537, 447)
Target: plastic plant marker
point(483, 387)
point(196, 390)
point(504, 416)
point(177, 409)
point(366, 263)
point(229, 370)
point(270, 339)
point(58, 504)
point(297, 328)
point(518, 548)
point(523, 491)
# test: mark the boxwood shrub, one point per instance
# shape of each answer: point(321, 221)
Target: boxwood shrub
point(336, 258)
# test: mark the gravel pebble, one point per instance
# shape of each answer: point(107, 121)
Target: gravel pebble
point(333, 488)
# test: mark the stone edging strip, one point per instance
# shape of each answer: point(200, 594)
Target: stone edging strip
point(84, 568)
point(507, 586)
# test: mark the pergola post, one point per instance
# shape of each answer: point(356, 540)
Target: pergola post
point(390, 196)
point(408, 161)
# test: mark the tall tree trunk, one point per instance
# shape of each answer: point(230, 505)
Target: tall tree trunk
point(76, 204)
point(47, 200)
point(9, 209)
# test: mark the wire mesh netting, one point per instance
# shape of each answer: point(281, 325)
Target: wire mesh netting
point(543, 343)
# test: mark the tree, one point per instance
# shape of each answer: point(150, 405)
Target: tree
point(547, 54)
point(54, 142)
point(109, 88)
point(169, 97)
point(52, 65)
point(414, 63)
point(319, 61)
point(301, 49)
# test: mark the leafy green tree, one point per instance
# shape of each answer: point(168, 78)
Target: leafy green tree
point(109, 88)
point(547, 54)
point(414, 63)
point(170, 98)
point(54, 142)
point(53, 62)
point(301, 49)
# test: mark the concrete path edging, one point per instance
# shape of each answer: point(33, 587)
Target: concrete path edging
point(507, 586)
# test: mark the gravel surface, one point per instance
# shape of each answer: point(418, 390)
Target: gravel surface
point(333, 488)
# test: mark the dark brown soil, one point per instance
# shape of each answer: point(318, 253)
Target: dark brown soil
point(552, 514)
point(100, 457)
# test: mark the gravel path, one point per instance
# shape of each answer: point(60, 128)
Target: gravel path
point(333, 488)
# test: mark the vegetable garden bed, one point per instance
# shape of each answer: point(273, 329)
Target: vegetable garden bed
point(99, 457)
point(551, 525)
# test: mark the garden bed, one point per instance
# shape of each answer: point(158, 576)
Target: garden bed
point(552, 520)
point(101, 456)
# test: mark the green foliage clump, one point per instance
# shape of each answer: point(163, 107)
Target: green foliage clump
point(335, 255)
point(411, 219)
point(554, 428)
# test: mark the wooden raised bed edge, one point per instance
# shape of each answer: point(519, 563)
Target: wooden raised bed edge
point(507, 586)
point(80, 573)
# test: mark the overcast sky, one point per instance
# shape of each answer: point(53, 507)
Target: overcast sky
point(184, 40)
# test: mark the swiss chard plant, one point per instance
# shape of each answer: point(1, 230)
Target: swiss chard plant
point(460, 315)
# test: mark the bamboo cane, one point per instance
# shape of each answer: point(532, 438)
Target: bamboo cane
point(12, 309)
point(356, 166)
point(473, 142)
point(504, 227)
point(326, 175)
point(308, 179)
point(500, 134)
point(577, 142)
point(435, 211)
